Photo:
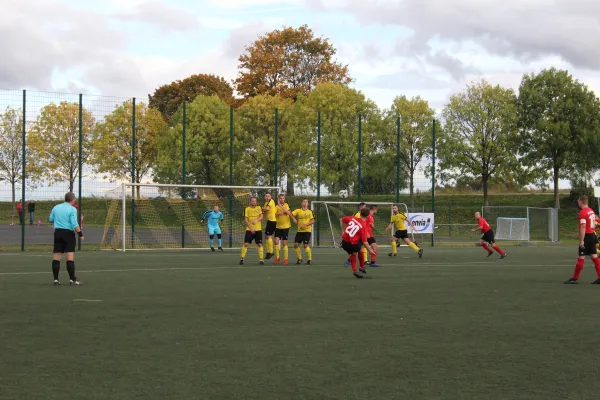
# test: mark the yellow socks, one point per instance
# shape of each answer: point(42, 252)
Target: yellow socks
point(308, 253)
point(394, 247)
point(270, 245)
point(414, 247)
point(365, 254)
point(277, 251)
point(261, 253)
point(244, 251)
point(298, 254)
point(285, 252)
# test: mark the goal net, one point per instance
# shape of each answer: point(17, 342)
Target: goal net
point(523, 223)
point(327, 214)
point(155, 216)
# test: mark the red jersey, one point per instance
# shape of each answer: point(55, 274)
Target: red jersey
point(355, 231)
point(483, 225)
point(370, 220)
point(587, 217)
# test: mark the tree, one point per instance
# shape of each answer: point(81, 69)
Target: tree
point(416, 117)
point(113, 140)
point(340, 107)
point(168, 98)
point(479, 136)
point(11, 152)
point(54, 143)
point(559, 125)
point(295, 140)
point(288, 62)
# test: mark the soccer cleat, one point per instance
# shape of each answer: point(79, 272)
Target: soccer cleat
point(503, 256)
point(596, 282)
point(362, 270)
point(212, 249)
point(571, 281)
point(490, 253)
point(420, 253)
point(261, 262)
point(375, 265)
point(276, 261)
point(309, 262)
point(392, 255)
point(347, 263)
point(357, 275)
point(74, 283)
point(242, 261)
point(221, 249)
point(269, 255)
point(286, 262)
point(299, 261)
point(56, 282)
point(367, 263)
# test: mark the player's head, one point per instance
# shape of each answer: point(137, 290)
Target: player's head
point(253, 201)
point(395, 209)
point(364, 213)
point(70, 198)
point(281, 198)
point(216, 208)
point(477, 215)
point(268, 196)
point(361, 206)
point(373, 209)
point(304, 204)
point(583, 201)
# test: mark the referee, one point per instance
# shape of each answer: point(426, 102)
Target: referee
point(64, 218)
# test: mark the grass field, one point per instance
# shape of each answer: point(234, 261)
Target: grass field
point(453, 325)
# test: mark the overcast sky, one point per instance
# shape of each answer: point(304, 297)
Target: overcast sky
point(414, 47)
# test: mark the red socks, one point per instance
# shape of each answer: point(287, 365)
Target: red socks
point(597, 265)
point(579, 267)
point(361, 258)
point(373, 258)
point(498, 249)
point(485, 246)
point(353, 262)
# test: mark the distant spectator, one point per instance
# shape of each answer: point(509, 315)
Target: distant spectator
point(31, 211)
point(20, 211)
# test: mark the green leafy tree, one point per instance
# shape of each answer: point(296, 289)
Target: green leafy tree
point(168, 98)
point(113, 142)
point(559, 125)
point(479, 135)
point(11, 154)
point(340, 107)
point(53, 143)
point(288, 62)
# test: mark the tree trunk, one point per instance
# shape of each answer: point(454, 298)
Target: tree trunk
point(556, 196)
point(412, 187)
point(484, 183)
point(14, 196)
point(290, 186)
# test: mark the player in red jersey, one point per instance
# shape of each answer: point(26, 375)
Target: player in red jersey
point(587, 241)
point(354, 237)
point(487, 236)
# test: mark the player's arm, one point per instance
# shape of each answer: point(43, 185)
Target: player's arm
point(75, 225)
point(280, 211)
point(582, 223)
point(344, 223)
point(51, 219)
point(389, 226)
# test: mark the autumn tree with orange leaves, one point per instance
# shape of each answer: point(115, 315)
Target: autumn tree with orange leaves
point(288, 62)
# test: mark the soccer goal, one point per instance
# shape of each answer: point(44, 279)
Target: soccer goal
point(523, 223)
point(158, 216)
point(327, 221)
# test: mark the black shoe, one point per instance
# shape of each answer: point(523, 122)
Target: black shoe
point(364, 271)
point(357, 275)
point(212, 249)
point(571, 281)
point(299, 261)
point(242, 261)
point(268, 256)
point(596, 282)
point(309, 262)
point(490, 253)
point(261, 262)
point(221, 249)
point(420, 253)
point(503, 256)
point(392, 255)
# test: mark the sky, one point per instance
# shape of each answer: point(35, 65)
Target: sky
point(430, 48)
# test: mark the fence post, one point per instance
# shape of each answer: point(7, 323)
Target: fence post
point(359, 191)
point(133, 188)
point(183, 167)
point(230, 205)
point(318, 171)
point(23, 176)
point(433, 178)
point(276, 171)
point(80, 210)
point(398, 160)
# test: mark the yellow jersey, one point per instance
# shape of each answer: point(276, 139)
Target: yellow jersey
point(399, 221)
point(283, 221)
point(253, 213)
point(304, 217)
point(270, 215)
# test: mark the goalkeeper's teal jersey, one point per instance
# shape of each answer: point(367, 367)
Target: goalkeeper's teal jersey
point(213, 218)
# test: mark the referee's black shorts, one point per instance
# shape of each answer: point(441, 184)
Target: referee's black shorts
point(64, 241)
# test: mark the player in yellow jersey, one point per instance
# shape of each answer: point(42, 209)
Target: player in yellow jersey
point(252, 217)
point(270, 215)
point(306, 219)
point(399, 221)
point(282, 229)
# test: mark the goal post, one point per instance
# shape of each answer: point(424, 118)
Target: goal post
point(520, 223)
point(147, 216)
point(327, 221)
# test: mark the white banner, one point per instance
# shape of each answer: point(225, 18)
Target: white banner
point(423, 223)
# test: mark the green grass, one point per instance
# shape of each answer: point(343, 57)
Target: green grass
point(179, 325)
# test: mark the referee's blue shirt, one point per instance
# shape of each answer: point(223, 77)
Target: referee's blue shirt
point(64, 216)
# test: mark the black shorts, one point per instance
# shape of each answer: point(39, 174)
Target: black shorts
point(270, 228)
point(401, 234)
point(371, 240)
point(489, 237)
point(302, 237)
point(589, 245)
point(351, 248)
point(256, 236)
point(282, 234)
point(64, 241)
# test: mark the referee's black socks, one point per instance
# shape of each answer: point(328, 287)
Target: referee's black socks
point(71, 270)
point(55, 269)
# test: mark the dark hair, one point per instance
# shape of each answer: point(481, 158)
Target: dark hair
point(365, 212)
point(362, 204)
point(69, 197)
point(373, 207)
point(304, 199)
point(281, 195)
point(584, 199)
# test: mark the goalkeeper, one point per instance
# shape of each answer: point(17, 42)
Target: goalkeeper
point(214, 217)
